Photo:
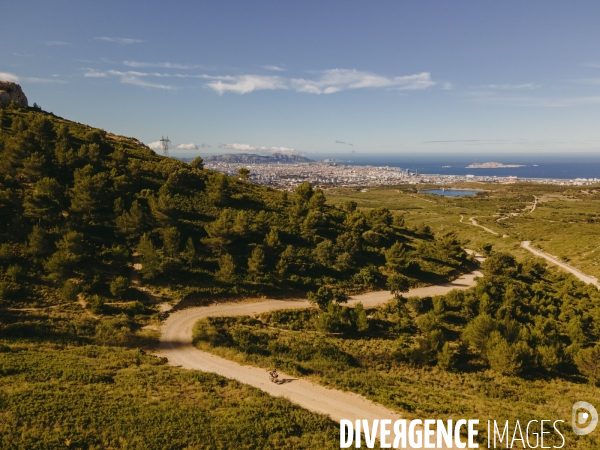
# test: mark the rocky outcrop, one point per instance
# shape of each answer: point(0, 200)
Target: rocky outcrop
point(10, 91)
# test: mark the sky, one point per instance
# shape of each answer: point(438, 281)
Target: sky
point(314, 77)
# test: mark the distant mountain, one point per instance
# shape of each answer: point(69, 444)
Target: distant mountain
point(248, 158)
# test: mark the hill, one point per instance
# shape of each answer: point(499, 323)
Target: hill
point(79, 206)
point(248, 158)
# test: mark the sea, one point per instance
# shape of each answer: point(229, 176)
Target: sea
point(550, 165)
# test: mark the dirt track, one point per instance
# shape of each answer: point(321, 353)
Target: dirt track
point(554, 260)
point(176, 345)
point(475, 224)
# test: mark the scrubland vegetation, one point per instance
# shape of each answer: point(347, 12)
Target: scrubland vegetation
point(76, 205)
point(96, 397)
point(518, 346)
point(564, 223)
point(79, 207)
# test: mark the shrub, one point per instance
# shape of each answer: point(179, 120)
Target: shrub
point(398, 284)
point(119, 287)
point(477, 332)
point(588, 363)
point(68, 292)
point(114, 331)
point(445, 358)
point(361, 320)
point(96, 304)
point(549, 356)
point(325, 296)
point(135, 307)
point(15, 273)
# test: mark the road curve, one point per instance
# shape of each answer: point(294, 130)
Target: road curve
point(554, 260)
point(176, 345)
point(475, 224)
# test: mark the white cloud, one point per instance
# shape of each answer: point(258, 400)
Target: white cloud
point(93, 73)
point(205, 146)
point(129, 77)
point(44, 80)
point(274, 68)
point(513, 86)
point(447, 86)
point(164, 65)
point(252, 148)
point(156, 145)
point(5, 76)
point(190, 146)
point(328, 82)
point(336, 80)
point(56, 43)
point(120, 41)
point(244, 84)
point(136, 81)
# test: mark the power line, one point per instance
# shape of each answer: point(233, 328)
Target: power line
point(165, 145)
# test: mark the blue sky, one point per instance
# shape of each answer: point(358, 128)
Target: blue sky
point(316, 76)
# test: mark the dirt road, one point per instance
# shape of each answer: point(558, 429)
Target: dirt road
point(554, 260)
point(475, 224)
point(176, 345)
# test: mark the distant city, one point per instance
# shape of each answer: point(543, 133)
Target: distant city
point(287, 175)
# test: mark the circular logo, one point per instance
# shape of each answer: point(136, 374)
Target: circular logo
point(582, 417)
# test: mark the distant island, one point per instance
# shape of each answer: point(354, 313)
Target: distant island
point(249, 158)
point(493, 165)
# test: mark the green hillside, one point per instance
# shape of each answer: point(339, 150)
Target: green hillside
point(78, 205)
point(90, 220)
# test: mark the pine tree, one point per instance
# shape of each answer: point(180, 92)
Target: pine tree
point(189, 253)
point(241, 224)
point(86, 193)
point(70, 251)
point(243, 173)
point(324, 252)
point(395, 257)
point(171, 241)
point(398, 284)
point(119, 286)
point(226, 270)
point(38, 242)
point(219, 231)
point(272, 239)
point(150, 258)
point(197, 163)
point(219, 189)
point(588, 363)
point(256, 262)
point(43, 202)
point(131, 223)
point(361, 320)
point(445, 358)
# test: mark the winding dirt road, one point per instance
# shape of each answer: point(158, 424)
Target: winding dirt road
point(475, 224)
point(176, 345)
point(554, 260)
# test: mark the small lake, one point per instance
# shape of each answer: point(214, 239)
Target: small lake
point(450, 192)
